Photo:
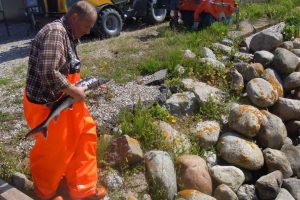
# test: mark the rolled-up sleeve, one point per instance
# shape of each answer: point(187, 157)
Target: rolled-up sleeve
point(51, 58)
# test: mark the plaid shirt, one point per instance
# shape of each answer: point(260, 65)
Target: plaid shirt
point(49, 60)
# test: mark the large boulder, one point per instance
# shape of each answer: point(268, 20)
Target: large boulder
point(161, 174)
point(285, 62)
point(268, 186)
point(245, 119)
point(266, 40)
point(240, 151)
point(287, 109)
point(193, 174)
point(228, 175)
point(263, 57)
point(261, 92)
point(273, 77)
point(272, 132)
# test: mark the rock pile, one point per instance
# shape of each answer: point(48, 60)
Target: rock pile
point(258, 157)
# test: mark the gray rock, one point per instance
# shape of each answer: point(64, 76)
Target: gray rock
point(247, 192)
point(265, 40)
point(248, 71)
point(161, 174)
point(292, 81)
point(273, 77)
point(207, 132)
point(245, 119)
point(224, 192)
point(203, 91)
point(21, 182)
point(207, 53)
point(263, 57)
point(227, 42)
point(211, 62)
point(285, 62)
point(287, 109)
point(222, 48)
point(296, 43)
point(193, 174)
point(193, 195)
point(211, 158)
point(231, 176)
point(174, 140)
point(182, 104)
point(240, 151)
point(124, 150)
point(189, 54)
point(296, 52)
point(112, 180)
point(237, 80)
point(293, 186)
point(284, 195)
point(272, 132)
point(296, 94)
point(247, 57)
point(293, 128)
point(268, 186)
point(287, 45)
point(287, 141)
point(155, 79)
point(276, 160)
point(261, 92)
point(293, 155)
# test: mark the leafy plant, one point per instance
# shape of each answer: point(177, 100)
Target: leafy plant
point(292, 27)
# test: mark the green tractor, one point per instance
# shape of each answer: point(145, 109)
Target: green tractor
point(112, 13)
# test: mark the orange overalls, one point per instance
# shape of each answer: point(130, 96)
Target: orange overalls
point(69, 151)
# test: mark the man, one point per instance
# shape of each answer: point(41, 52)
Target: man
point(69, 151)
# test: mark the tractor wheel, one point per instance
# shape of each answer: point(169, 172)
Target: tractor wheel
point(187, 18)
point(155, 15)
point(109, 23)
point(206, 20)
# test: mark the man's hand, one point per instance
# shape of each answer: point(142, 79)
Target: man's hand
point(76, 92)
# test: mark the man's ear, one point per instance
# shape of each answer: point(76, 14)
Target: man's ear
point(74, 17)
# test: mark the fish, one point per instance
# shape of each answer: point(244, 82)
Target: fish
point(65, 102)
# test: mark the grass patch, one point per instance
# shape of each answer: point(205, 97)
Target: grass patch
point(8, 163)
point(139, 124)
point(5, 81)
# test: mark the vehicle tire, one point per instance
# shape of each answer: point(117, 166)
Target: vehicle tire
point(109, 23)
point(206, 20)
point(187, 18)
point(155, 15)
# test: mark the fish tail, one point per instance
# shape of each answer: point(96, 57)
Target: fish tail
point(40, 129)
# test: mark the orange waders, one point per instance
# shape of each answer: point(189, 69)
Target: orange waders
point(69, 150)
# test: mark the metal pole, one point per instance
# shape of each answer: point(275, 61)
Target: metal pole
point(4, 18)
point(238, 15)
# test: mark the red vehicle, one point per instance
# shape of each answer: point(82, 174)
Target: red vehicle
point(202, 13)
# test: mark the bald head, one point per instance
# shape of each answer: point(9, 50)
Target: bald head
point(83, 9)
point(81, 17)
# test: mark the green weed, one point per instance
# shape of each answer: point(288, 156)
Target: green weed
point(212, 109)
point(139, 125)
point(8, 163)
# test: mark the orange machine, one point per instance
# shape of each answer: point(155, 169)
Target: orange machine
point(202, 13)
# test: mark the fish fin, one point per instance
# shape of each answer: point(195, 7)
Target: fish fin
point(40, 129)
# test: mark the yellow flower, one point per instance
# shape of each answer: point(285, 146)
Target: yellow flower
point(173, 121)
